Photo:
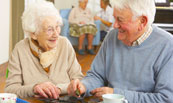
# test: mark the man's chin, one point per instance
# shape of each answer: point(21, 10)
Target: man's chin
point(121, 36)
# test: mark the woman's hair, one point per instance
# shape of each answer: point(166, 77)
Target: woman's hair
point(138, 8)
point(35, 12)
point(106, 2)
point(81, 0)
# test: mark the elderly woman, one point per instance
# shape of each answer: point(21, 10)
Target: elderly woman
point(82, 24)
point(43, 64)
point(106, 17)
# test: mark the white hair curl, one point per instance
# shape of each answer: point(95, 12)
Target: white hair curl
point(33, 14)
point(138, 8)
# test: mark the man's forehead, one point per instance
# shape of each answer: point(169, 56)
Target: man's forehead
point(123, 12)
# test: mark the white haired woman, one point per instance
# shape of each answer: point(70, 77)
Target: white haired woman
point(44, 63)
point(82, 24)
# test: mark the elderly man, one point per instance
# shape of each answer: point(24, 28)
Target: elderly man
point(135, 59)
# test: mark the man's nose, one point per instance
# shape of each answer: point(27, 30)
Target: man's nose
point(116, 25)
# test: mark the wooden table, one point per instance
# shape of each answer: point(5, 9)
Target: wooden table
point(35, 100)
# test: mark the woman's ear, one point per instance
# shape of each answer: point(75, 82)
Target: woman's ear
point(33, 36)
point(143, 22)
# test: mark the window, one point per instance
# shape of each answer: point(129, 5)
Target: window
point(162, 2)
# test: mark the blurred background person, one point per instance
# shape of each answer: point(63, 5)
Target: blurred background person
point(44, 63)
point(106, 17)
point(82, 25)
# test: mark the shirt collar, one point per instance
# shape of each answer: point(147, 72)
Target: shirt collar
point(143, 37)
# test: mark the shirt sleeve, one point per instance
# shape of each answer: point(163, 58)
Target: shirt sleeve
point(110, 15)
point(96, 76)
point(14, 82)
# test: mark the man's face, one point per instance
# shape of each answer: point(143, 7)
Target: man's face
point(128, 29)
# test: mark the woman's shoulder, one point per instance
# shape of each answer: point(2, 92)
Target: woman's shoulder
point(22, 43)
point(22, 46)
point(63, 40)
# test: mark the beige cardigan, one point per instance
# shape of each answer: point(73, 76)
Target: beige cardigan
point(78, 15)
point(25, 70)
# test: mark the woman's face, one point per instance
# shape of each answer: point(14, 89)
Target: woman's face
point(102, 4)
point(48, 33)
point(83, 4)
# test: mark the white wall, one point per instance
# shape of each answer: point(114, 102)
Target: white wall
point(4, 30)
point(64, 4)
point(93, 5)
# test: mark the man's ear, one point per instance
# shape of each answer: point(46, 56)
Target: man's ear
point(33, 36)
point(143, 22)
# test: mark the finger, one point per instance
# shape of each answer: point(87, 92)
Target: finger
point(69, 89)
point(82, 88)
point(41, 92)
point(98, 94)
point(94, 91)
point(75, 85)
point(37, 96)
point(48, 92)
point(52, 91)
point(55, 92)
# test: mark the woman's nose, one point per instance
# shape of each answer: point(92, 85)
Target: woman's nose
point(57, 32)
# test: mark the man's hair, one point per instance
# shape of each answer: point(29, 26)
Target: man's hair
point(34, 14)
point(138, 8)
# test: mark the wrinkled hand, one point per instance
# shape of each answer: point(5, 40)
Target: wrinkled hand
point(98, 92)
point(46, 90)
point(74, 85)
point(96, 18)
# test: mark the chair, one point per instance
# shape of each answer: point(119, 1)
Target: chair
point(74, 40)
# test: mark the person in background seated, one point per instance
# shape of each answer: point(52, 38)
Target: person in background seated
point(44, 63)
point(106, 17)
point(82, 25)
point(135, 59)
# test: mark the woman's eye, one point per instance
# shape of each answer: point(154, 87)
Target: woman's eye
point(49, 30)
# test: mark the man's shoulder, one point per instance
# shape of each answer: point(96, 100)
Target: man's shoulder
point(112, 34)
point(162, 35)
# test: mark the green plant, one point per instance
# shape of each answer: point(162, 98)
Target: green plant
point(171, 0)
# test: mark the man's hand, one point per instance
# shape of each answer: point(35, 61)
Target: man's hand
point(74, 86)
point(46, 90)
point(98, 92)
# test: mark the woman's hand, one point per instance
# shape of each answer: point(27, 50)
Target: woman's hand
point(82, 22)
point(76, 85)
point(46, 90)
point(98, 92)
point(97, 18)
